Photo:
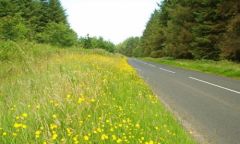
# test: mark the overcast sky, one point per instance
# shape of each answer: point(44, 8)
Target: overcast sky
point(115, 20)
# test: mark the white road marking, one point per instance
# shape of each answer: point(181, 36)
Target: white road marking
point(159, 68)
point(151, 65)
point(215, 85)
point(167, 70)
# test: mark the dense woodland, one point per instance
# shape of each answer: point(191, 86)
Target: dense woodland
point(96, 42)
point(42, 21)
point(190, 29)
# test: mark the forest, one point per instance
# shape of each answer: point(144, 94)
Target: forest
point(42, 21)
point(182, 29)
point(190, 29)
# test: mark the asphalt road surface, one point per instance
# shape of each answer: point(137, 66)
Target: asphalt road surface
point(208, 105)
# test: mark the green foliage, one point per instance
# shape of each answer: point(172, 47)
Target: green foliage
point(96, 43)
point(57, 13)
point(230, 45)
point(128, 46)
point(153, 36)
point(41, 20)
point(58, 34)
point(13, 28)
point(17, 57)
point(192, 29)
point(7, 8)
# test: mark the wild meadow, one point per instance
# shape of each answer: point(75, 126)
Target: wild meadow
point(50, 95)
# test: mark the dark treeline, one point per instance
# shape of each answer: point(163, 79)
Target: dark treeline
point(96, 42)
point(42, 21)
point(191, 29)
point(128, 47)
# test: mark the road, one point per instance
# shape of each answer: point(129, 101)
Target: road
point(208, 105)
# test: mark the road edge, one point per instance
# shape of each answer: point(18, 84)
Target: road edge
point(184, 123)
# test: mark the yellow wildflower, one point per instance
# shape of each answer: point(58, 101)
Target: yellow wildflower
point(14, 134)
point(80, 100)
point(17, 125)
point(150, 142)
point(93, 100)
point(54, 116)
point(68, 96)
point(63, 139)
point(99, 130)
point(75, 139)
point(86, 138)
point(137, 126)
point(38, 106)
point(114, 137)
point(104, 137)
point(37, 134)
point(56, 104)
point(112, 129)
point(69, 132)
point(54, 136)
point(25, 115)
point(53, 126)
point(119, 140)
point(80, 122)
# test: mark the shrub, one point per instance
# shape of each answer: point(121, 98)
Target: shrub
point(58, 34)
point(13, 28)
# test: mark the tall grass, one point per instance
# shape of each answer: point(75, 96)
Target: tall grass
point(77, 96)
point(223, 68)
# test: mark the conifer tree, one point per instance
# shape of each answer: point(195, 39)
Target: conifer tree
point(56, 12)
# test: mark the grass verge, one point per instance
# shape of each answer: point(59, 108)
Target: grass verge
point(222, 68)
point(50, 95)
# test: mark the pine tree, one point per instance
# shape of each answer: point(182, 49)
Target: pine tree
point(205, 31)
point(230, 42)
point(56, 12)
point(153, 36)
point(8, 8)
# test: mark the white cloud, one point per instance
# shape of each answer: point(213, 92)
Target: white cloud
point(115, 20)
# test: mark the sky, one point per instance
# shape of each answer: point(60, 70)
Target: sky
point(114, 20)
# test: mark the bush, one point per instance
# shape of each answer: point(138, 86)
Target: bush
point(13, 28)
point(58, 34)
point(157, 54)
point(96, 43)
point(9, 51)
point(128, 46)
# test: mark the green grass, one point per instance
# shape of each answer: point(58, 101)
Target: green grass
point(51, 95)
point(222, 68)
